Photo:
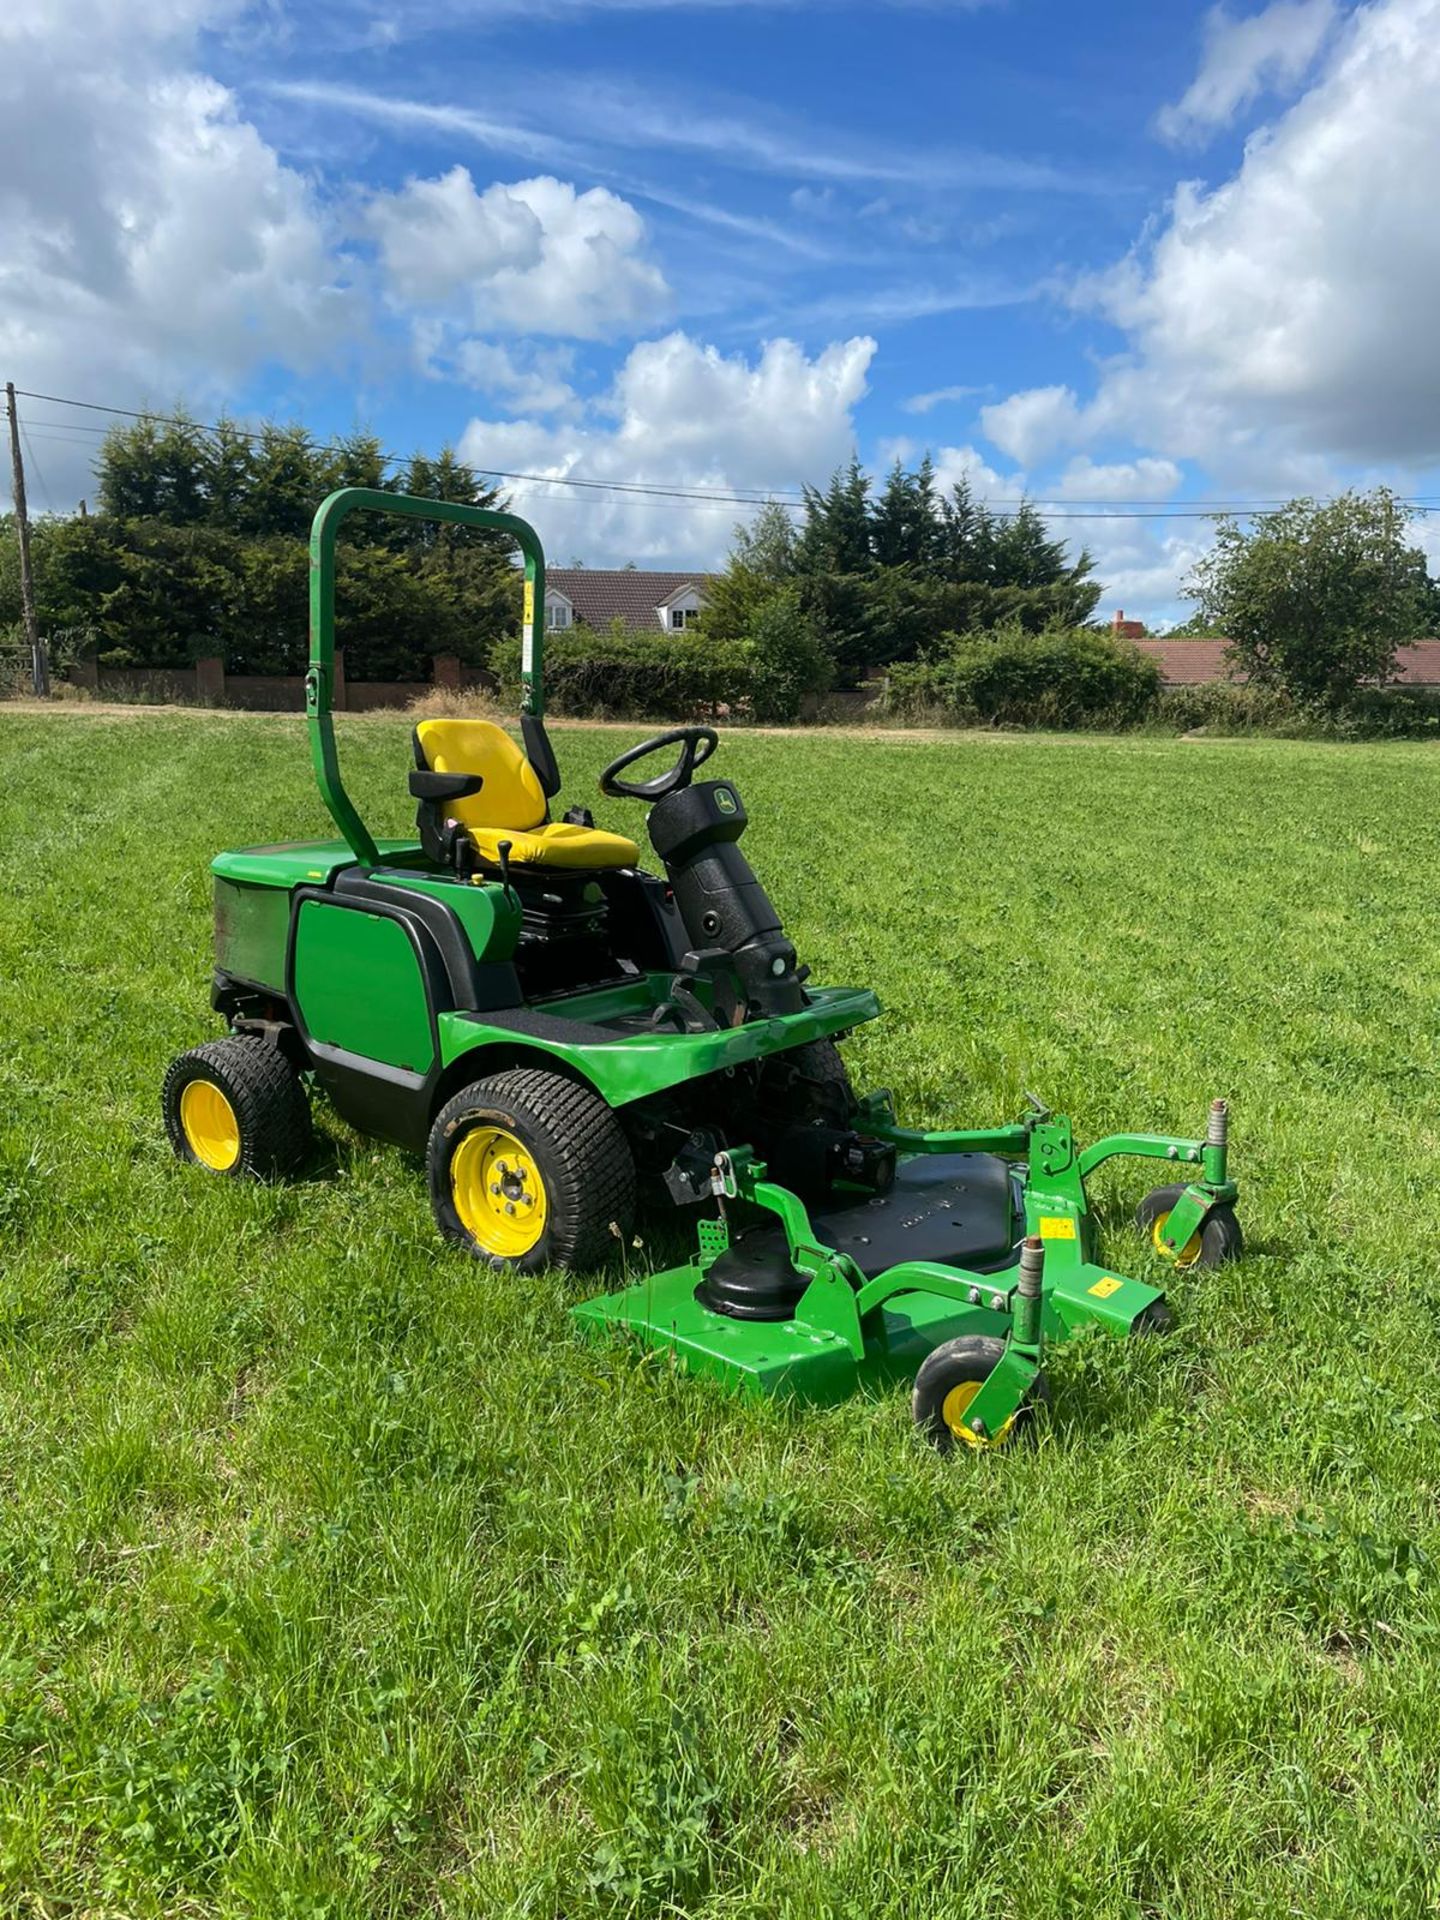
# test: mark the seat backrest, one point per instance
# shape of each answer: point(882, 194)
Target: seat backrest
point(511, 796)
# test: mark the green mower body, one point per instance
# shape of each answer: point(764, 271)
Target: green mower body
point(562, 1032)
point(376, 969)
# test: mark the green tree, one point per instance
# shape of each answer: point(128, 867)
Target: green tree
point(762, 561)
point(767, 547)
point(1023, 554)
point(905, 524)
point(967, 535)
point(229, 473)
point(836, 534)
point(154, 469)
point(1315, 598)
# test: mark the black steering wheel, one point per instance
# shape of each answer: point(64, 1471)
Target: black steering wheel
point(696, 746)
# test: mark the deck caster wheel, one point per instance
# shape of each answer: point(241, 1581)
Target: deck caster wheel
point(949, 1380)
point(236, 1106)
point(529, 1170)
point(1218, 1240)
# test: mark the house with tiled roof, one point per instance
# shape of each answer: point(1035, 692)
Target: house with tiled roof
point(1194, 663)
point(644, 602)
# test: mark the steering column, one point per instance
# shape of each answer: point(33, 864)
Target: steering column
point(733, 928)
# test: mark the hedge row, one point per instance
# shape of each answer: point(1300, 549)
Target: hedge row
point(1013, 678)
point(620, 675)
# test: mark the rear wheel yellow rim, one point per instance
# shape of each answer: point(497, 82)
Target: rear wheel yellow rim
point(1188, 1254)
point(208, 1122)
point(956, 1405)
point(498, 1192)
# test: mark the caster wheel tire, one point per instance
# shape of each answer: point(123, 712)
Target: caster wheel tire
point(949, 1380)
point(1157, 1318)
point(528, 1170)
point(236, 1106)
point(1218, 1240)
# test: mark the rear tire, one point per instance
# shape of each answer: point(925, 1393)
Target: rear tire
point(529, 1170)
point(236, 1107)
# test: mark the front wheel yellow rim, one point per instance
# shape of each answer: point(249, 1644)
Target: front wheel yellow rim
point(498, 1192)
point(1187, 1255)
point(209, 1125)
point(956, 1405)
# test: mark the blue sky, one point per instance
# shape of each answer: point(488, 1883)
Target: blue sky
point(1122, 257)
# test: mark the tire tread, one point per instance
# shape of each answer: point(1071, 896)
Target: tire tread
point(264, 1089)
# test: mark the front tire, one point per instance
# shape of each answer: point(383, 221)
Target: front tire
point(948, 1382)
point(811, 1084)
point(1218, 1241)
point(236, 1107)
point(529, 1170)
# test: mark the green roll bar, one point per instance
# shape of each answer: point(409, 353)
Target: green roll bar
point(320, 680)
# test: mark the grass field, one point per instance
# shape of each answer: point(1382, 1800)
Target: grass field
point(337, 1579)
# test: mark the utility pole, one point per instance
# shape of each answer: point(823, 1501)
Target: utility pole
point(39, 664)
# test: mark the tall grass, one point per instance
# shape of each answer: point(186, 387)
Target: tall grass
point(338, 1578)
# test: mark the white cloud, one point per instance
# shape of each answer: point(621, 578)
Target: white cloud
point(151, 243)
point(683, 414)
point(953, 464)
point(444, 123)
point(1279, 328)
point(1291, 311)
point(536, 381)
point(532, 257)
point(1032, 423)
point(392, 21)
point(1144, 479)
point(1140, 565)
point(938, 397)
point(1271, 49)
point(628, 115)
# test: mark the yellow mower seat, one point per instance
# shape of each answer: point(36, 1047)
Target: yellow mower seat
point(511, 804)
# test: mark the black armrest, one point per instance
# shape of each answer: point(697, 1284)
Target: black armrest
point(444, 786)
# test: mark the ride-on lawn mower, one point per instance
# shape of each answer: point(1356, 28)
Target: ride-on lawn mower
point(516, 998)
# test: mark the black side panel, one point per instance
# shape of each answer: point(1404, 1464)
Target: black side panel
point(645, 923)
point(530, 1024)
point(384, 1102)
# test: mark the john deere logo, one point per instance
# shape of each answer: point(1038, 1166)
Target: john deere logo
point(724, 799)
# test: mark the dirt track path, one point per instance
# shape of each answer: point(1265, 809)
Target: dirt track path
point(935, 736)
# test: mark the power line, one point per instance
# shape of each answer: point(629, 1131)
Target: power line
point(30, 454)
point(696, 498)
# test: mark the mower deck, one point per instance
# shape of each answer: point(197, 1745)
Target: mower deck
point(933, 1259)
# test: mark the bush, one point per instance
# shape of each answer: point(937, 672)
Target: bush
point(1374, 713)
point(615, 673)
point(1058, 678)
point(1224, 707)
point(787, 658)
